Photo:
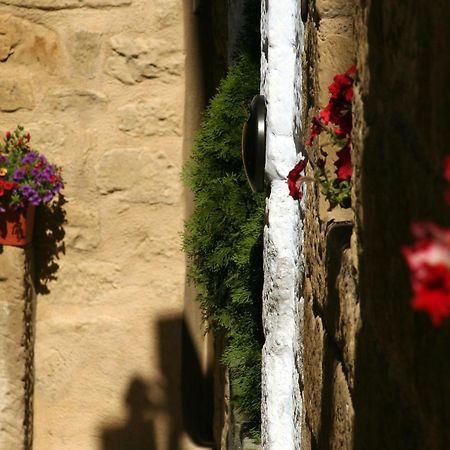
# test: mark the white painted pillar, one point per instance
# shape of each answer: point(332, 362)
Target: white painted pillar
point(282, 42)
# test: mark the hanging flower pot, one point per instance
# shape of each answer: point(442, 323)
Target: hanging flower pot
point(27, 180)
point(16, 226)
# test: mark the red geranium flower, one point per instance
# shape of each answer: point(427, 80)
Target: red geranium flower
point(342, 87)
point(295, 180)
point(344, 168)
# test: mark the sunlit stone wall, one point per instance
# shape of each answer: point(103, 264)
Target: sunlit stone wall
point(100, 84)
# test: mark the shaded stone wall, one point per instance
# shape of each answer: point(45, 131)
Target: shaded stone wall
point(101, 86)
point(401, 385)
point(376, 373)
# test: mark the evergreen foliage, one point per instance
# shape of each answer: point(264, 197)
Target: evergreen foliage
point(223, 237)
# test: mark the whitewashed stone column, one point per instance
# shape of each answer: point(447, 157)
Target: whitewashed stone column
point(282, 40)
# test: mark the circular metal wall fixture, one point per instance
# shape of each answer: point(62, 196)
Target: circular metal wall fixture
point(304, 6)
point(254, 144)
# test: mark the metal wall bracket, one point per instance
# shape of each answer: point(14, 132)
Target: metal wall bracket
point(254, 144)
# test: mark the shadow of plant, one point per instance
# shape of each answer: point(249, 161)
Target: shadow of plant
point(48, 243)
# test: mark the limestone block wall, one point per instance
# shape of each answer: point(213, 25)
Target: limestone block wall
point(376, 374)
point(100, 84)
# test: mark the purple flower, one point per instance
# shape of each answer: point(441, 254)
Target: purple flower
point(3, 159)
point(19, 175)
point(26, 190)
point(47, 196)
point(47, 174)
point(30, 194)
point(35, 200)
point(29, 158)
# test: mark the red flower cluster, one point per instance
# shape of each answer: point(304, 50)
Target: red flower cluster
point(338, 113)
point(339, 108)
point(6, 186)
point(295, 180)
point(336, 120)
point(429, 262)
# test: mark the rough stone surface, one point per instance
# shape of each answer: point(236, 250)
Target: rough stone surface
point(334, 8)
point(282, 308)
point(314, 342)
point(28, 43)
point(135, 58)
point(16, 349)
point(139, 175)
point(77, 99)
point(85, 49)
point(331, 319)
point(341, 435)
point(15, 94)
point(150, 117)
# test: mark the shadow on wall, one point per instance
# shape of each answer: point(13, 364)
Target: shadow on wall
point(138, 433)
point(48, 243)
point(172, 405)
point(402, 378)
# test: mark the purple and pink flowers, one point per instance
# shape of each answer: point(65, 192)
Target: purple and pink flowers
point(26, 177)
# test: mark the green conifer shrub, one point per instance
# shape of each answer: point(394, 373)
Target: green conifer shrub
point(223, 237)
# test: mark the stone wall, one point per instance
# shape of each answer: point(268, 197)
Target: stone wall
point(16, 350)
point(101, 86)
point(331, 307)
point(376, 372)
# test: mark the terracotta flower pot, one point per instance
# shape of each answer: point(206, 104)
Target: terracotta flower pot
point(16, 226)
